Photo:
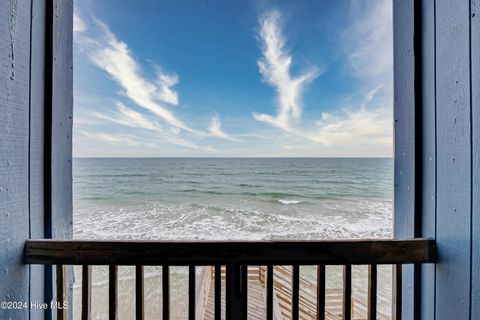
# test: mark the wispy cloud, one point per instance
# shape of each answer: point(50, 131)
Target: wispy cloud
point(275, 67)
point(165, 82)
point(78, 24)
point(130, 118)
point(217, 131)
point(368, 50)
point(360, 127)
point(118, 139)
point(114, 56)
point(133, 119)
point(368, 42)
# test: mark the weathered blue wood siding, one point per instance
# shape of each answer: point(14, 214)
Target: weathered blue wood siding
point(443, 95)
point(14, 152)
point(28, 118)
point(475, 96)
point(404, 124)
point(37, 127)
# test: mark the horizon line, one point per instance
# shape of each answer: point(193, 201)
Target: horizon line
point(267, 157)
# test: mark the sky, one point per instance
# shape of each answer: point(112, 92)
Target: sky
point(238, 78)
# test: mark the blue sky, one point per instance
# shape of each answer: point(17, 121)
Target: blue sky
point(233, 78)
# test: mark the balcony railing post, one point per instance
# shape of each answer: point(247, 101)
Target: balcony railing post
point(372, 292)
point(61, 292)
point(113, 292)
point(269, 292)
point(244, 290)
point(347, 292)
point(139, 301)
point(191, 292)
point(397, 292)
point(218, 292)
point(321, 292)
point(86, 292)
point(166, 292)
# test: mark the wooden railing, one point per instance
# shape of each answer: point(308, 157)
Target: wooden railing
point(235, 257)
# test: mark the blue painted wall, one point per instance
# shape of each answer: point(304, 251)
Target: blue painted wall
point(437, 123)
point(30, 122)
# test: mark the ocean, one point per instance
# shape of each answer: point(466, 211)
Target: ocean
point(199, 199)
point(228, 199)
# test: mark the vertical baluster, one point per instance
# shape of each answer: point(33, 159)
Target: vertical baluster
point(139, 301)
point(397, 292)
point(347, 292)
point(166, 292)
point(295, 291)
point(86, 292)
point(372, 292)
point(321, 292)
point(112, 292)
point(244, 279)
point(60, 291)
point(269, 292)
point(233, 292)
point(191, 292)
point(218, 292)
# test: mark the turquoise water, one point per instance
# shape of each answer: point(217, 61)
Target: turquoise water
point(236, 199)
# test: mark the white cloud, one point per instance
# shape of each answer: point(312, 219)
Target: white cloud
point(359, 127)
point(118, 139)
point(369, 56)
point(78, 24)
point(275, 67)
point(369, 40)
point(130, 118)
point(115, 58)
point(217, 131)
point(165, 92)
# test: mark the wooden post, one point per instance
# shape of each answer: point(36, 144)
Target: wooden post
point(86, 291)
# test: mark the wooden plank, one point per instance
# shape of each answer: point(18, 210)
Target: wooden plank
point(397, 293)
point(321, 292)
point(86, 292)
point(429, 145)
point(244, 287)
point(372, 292)
point(58, 125)
point(295, 291)
point(207, 253)
point(191, 292)
point(475, 90)
point(14, 150)
point(15, 30)
point(218, 292)
point(453, 279)
point(61, 292)
point(406, 189)
point(347, 292)
point(139, 299)
point(233, 292)
point(61, 121)
point(166, 292)
point(269, 292)
point(36, 156)
point(113, 292)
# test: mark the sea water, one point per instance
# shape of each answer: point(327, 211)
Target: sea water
point(229, 199)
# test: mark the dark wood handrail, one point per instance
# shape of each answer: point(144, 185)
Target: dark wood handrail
point(75, 252)
point(236, 256)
